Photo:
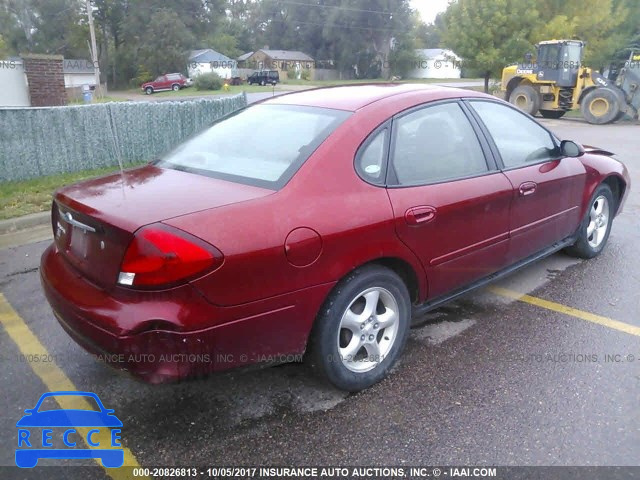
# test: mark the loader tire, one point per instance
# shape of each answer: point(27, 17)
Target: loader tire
point(526, 98)
point(552, 113)
point(600, 106)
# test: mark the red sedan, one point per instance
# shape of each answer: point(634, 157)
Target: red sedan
point(318, 222)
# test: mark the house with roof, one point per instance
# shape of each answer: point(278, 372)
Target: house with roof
point(208, 60)
point(242, 59)
point(281, 60)
point(78, 72)
point(435, 63)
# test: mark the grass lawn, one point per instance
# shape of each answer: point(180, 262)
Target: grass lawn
point(137, 94)
point(104, 99)
point(32, 196)
point(192, 92)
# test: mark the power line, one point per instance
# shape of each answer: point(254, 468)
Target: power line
point(335, 6)
point(333, 25)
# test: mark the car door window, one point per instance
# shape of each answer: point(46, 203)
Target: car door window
point(370, 158)
point(435, 144)
point(519, 139)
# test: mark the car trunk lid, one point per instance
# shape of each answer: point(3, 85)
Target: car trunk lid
point(94, 221)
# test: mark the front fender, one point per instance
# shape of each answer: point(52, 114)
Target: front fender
point(601, 168)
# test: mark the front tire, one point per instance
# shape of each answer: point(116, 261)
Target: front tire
point(526, 98)
point(600, 106)
point(148, 90)
point(175, 87)
point(361, 329)
point(596, 226)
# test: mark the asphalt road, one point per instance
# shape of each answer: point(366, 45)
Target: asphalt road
point(487, 380)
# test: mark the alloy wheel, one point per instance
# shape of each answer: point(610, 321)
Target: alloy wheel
point(368, 329)
point(598, 221)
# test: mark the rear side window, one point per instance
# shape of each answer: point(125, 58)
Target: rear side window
point(435, 144)
point(263, 145)
point(370, 158)
point(520, 140)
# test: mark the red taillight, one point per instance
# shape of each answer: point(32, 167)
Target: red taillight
point(160, 256)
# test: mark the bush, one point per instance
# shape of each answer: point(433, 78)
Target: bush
point(143, 76)
point(292, 74)
point(208, 81)
point(306, 74)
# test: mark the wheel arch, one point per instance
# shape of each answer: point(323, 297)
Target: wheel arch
point(412, 276)
point(514, 83)
point(585, 92)
point(405, 271)
point(618, 187)
point(613, 180)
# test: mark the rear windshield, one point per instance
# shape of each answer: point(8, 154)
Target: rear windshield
point(263, 145)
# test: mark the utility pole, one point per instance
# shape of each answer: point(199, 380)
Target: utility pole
point(94, 49)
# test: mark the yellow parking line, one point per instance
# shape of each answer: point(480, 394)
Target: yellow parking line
point(574, 312)
point(56, 380)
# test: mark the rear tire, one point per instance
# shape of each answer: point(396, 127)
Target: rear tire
point(555, 114)
point(361, 329)
point(600, 106)
point(594, 229)
point(526, 98)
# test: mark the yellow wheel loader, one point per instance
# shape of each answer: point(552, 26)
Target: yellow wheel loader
point(558, 82)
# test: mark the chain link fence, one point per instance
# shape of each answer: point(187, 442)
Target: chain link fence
point(36, 142)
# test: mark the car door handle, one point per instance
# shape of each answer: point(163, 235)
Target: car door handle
point(420, 215)
point(527, 188)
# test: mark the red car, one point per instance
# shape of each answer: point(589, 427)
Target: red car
point(169, 81)
point(318, 222)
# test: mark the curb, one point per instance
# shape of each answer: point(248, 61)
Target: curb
point(25, 222)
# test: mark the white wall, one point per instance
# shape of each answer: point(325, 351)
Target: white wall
point(14, 90)
point(79, 79)
point(196, 69)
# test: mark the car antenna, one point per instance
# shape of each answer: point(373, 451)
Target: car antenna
point(116, 145)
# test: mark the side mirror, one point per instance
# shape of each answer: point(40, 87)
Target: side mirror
point(569, 148)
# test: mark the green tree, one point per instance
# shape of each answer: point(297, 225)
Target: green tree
point(61, 28)
point(166, 43)
point(109, 16)
point(429, 35)
point(224, 43)
point(360, 36)
point(44, 26)
point(4, 50)
point(631, 27)
point(489, 34)
point(601, 23)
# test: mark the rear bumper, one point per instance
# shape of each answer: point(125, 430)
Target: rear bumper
point(174, 334)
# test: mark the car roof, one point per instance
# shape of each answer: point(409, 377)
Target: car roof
point(354, 97)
